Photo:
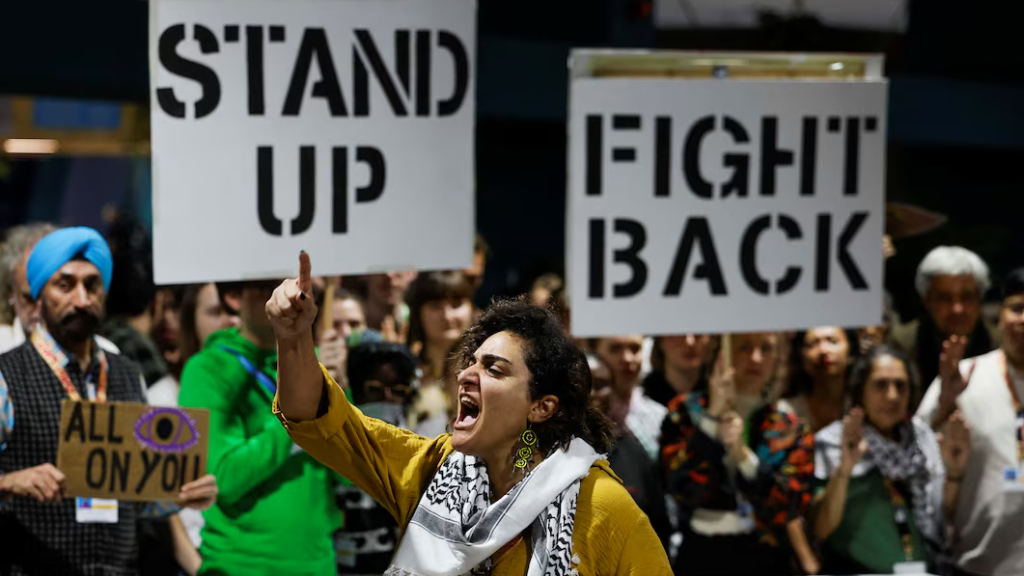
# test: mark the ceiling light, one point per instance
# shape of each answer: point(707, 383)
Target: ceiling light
point(30, 146)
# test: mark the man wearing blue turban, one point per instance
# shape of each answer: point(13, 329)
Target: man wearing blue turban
point(68, 274)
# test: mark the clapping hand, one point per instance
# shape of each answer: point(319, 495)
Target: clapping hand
point(952, 380)
point(854, 445)
point(956, 445)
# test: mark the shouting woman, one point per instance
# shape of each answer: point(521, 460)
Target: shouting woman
point(520, 486)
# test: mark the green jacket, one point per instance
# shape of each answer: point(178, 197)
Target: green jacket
point(276, 510)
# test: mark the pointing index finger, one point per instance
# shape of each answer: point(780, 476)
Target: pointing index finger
point(305, 270)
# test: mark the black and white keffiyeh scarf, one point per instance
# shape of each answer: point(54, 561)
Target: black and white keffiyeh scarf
point(914, 460)
point(455, 528)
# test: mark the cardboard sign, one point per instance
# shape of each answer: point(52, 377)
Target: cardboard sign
point(711, 206)
point(344, 128)
point(131, 451)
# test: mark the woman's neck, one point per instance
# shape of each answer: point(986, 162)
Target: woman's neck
point(252, 336)
point(747, 404)
point(1014, 359)
point(829, 388)
point(436, 354)
point(682, 380)
point(825, 402)
point(504, 475)
point(892, 434)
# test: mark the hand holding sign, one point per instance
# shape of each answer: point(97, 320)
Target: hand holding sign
point(199, 494)
point(730, 433)
point(722, 389)
point(44, 483)
point(291, 309)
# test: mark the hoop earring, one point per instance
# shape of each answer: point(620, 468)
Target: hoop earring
point(523, 456)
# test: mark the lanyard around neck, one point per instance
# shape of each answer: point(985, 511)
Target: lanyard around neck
point(266, 381)
point(1017, 411)
point(45, 349)
point(901, 515)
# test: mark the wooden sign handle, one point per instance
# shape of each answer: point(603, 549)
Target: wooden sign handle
point(727, 349)
point(326, 310)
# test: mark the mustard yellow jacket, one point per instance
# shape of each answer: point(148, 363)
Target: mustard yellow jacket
point(394, 466)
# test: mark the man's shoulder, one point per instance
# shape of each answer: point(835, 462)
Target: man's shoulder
point(18, 353)
point(904, 335)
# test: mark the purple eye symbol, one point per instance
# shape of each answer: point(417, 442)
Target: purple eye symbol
point(166, 430)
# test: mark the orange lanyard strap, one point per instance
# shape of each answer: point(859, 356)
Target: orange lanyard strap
point(45, 350)
point(1016, 407)
point(901, 514)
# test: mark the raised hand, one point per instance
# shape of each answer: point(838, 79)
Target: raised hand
point(721, 389)
point(730, 432)
point(956, 445)
point(291, 309)
point(952, 380)
point(854, 445)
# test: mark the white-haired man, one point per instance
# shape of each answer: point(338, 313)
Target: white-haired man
point(951, 281)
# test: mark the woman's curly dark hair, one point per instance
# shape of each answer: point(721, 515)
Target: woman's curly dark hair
point(556, 366)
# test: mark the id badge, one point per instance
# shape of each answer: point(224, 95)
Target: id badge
point(1013, 477)
point(95, 511)
point(918, 568)
point(345, 550)
point(746, 513)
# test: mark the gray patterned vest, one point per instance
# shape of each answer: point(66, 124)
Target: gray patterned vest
point(44, 539)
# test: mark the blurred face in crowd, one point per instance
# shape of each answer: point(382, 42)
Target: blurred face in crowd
point(445, 320)
point(475, 274)
point(494, 398)
point(211, 314)
point(624, 356)
point(72, 302)
point(887, 394)
point(251, 304)
point(954, 303)
point(826, 352)
point(25, 308)
point(686, 353)
point(754, 358)
point(601, 385)
point(348, 317)
point(388, 289)
point(167, 313)
point(1011, 322)
point(871, 336)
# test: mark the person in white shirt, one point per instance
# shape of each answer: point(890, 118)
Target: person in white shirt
point(989, 518)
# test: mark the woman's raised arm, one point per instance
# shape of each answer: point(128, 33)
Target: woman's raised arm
point(292, 312)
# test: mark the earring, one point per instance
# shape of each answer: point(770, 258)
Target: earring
point(524, 454)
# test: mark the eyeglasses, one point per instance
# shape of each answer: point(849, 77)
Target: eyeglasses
point(376, 389)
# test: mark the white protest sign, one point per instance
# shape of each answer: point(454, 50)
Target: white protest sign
point(724, 205)
point(344, 128)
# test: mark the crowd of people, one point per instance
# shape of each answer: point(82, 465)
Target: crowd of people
point(386, 424)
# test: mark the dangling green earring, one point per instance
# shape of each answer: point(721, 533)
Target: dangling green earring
point(524, 455)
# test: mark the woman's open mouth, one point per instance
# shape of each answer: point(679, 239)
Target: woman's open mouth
point(469, 411)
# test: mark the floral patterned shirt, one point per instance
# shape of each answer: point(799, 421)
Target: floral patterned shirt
point(779, 490)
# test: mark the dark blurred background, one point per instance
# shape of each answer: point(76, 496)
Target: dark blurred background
point(956, 142)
